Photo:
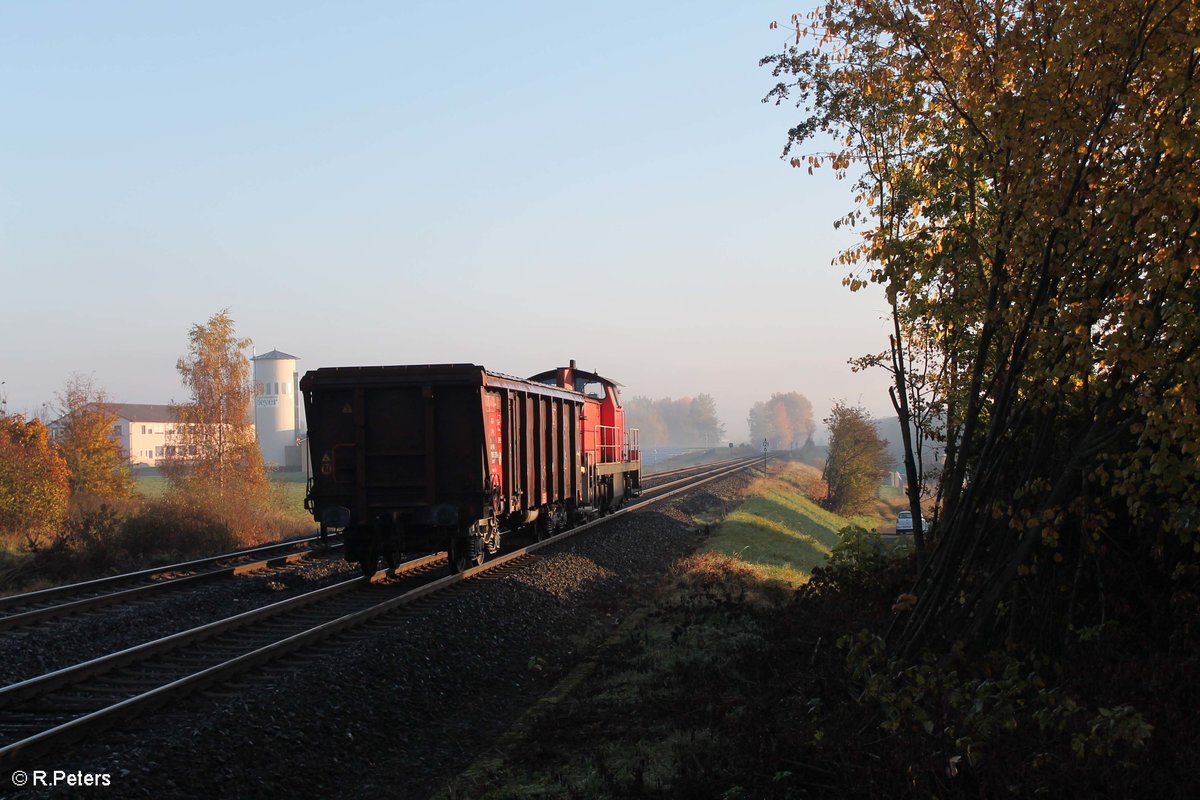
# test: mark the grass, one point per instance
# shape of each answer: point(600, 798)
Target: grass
point(781, 532)
point(777, 529)
point(290, 488)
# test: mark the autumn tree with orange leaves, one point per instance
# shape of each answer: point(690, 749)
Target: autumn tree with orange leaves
point(785, 421)
point(98, 468)
point(1026, 177)
point(33, 481)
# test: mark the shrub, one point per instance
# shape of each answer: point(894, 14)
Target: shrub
point(862, 551)
point(175, 528)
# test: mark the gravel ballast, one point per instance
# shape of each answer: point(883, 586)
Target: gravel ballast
point(404, 704)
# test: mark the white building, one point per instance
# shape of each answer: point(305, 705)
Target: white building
point(277, 408)
point(141, 429)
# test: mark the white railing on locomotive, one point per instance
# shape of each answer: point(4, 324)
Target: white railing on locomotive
point(612, 447)
point(608, 444)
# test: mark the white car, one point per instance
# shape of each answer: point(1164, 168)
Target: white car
point(904, 523)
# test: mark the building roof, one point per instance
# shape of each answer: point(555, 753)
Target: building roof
point(275, 355)
point(133, 412)
point(141, 412)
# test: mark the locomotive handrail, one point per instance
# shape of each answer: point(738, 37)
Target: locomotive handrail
point(608, 447)
point(612, 446)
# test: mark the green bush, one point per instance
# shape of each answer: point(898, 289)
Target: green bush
point(862, 551)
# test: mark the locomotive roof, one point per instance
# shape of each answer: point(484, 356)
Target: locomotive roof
point(552, 373)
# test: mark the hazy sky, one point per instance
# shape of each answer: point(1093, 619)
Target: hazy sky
point(511, 184)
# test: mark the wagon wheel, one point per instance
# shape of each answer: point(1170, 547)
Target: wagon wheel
point(459, 555)
point(541, 527)
point(392, 559)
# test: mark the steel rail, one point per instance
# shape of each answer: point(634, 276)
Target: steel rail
point(739, 464)
point(118, 595)
point(646, 475)
point(103, 718)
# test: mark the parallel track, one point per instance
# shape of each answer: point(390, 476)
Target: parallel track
point(20, 610)
point(44, 714)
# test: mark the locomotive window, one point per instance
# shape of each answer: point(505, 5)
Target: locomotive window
point(593, 389)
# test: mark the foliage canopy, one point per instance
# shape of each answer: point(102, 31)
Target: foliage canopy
point(1027, 176)
point(858, 459)
point(214, 444)
point(785, 421)
point(686, 422)
point(96, 463)
point(33, 480)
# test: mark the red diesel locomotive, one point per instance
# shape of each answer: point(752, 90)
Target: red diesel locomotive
point(449, 456)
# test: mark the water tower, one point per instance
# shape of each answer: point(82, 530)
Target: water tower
point(276, 408)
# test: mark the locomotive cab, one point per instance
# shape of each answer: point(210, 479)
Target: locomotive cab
point(610, 455)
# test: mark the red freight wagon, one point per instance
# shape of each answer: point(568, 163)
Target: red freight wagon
point(421, 458)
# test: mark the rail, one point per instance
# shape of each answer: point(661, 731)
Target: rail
point(18, 610)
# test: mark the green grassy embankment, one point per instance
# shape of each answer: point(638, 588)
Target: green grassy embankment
point(778, 530)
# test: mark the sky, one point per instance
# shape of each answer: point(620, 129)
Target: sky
point(512, 185)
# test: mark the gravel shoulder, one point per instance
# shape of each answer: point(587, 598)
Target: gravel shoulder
point(404, 705)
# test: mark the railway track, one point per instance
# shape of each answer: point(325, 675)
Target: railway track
point(45, 713)
point(679, 477)
point(655, 476)
point(21, 610)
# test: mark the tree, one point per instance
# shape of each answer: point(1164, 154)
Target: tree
point(33, 480)
point(686, 422)
point(97, 465)
point(858, 459)
point(785, 420)
point(213, 444)
point(1027, 181)
point(704, 422)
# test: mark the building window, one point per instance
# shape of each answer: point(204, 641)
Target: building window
point(143, 429)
